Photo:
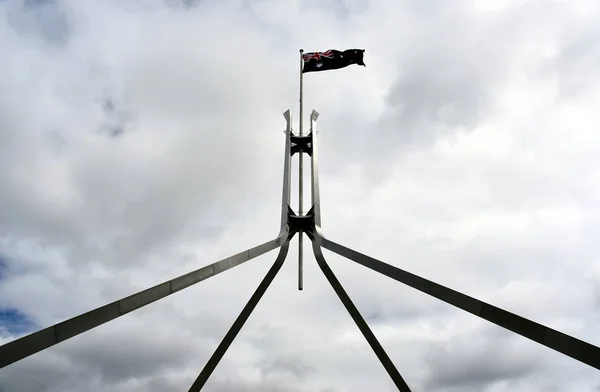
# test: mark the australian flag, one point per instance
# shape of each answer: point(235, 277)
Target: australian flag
point(331, 59)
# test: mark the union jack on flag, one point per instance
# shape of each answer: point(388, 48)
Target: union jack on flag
point(317, 55)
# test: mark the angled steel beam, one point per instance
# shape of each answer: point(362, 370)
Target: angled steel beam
point(360, 321)
point(48, 337)
point(565, 344)
point(315, 234)
point(30, 344)
point(314, 169)
point(285, 194)
point(240, 321)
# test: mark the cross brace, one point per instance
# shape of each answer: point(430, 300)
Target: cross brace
point(301, 144)
point(291, 223)
point(301, 223)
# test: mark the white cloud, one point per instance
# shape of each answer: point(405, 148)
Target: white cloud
point(138, 142)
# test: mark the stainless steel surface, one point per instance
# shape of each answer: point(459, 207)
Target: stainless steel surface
point(565, 344)
point(240, 321)
point(300, 264)
point(315, 192)
point(287, 178)
point(360, 321)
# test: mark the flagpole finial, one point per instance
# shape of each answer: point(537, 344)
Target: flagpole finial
point(301, 50)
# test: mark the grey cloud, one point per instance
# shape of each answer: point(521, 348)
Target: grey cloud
point(232, 385)
point(115, 121)
point(289, 365)
point(476, 361)
point(169, 194)
point(449, 75)
point(47, 371)
point(451, 85)
point(575, 60)
point(121, 357)
point(196, 176)
point(422, 95)
point(445, 79)
point(46, 20)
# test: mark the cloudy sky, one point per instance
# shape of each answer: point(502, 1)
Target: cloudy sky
point(140, 140)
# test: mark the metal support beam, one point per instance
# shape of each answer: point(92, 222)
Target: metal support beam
point(240, 321)
point(48, 337)
point(565, 344)
point(360, 321)
point(287, 180)
point(314, 168)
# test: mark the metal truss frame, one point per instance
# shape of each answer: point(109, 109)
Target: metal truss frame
point(310, 224)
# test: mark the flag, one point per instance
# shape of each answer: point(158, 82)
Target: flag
point(331, 59)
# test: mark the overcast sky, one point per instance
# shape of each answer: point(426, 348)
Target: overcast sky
point(140, 140)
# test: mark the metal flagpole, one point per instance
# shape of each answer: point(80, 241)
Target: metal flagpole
point(300, 182)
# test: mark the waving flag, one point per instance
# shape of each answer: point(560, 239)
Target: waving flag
point(331, 59)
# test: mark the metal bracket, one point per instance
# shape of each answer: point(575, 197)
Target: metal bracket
point(301, 223)
point(302, 144)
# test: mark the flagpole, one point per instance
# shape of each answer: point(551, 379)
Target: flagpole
point(300, 183)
